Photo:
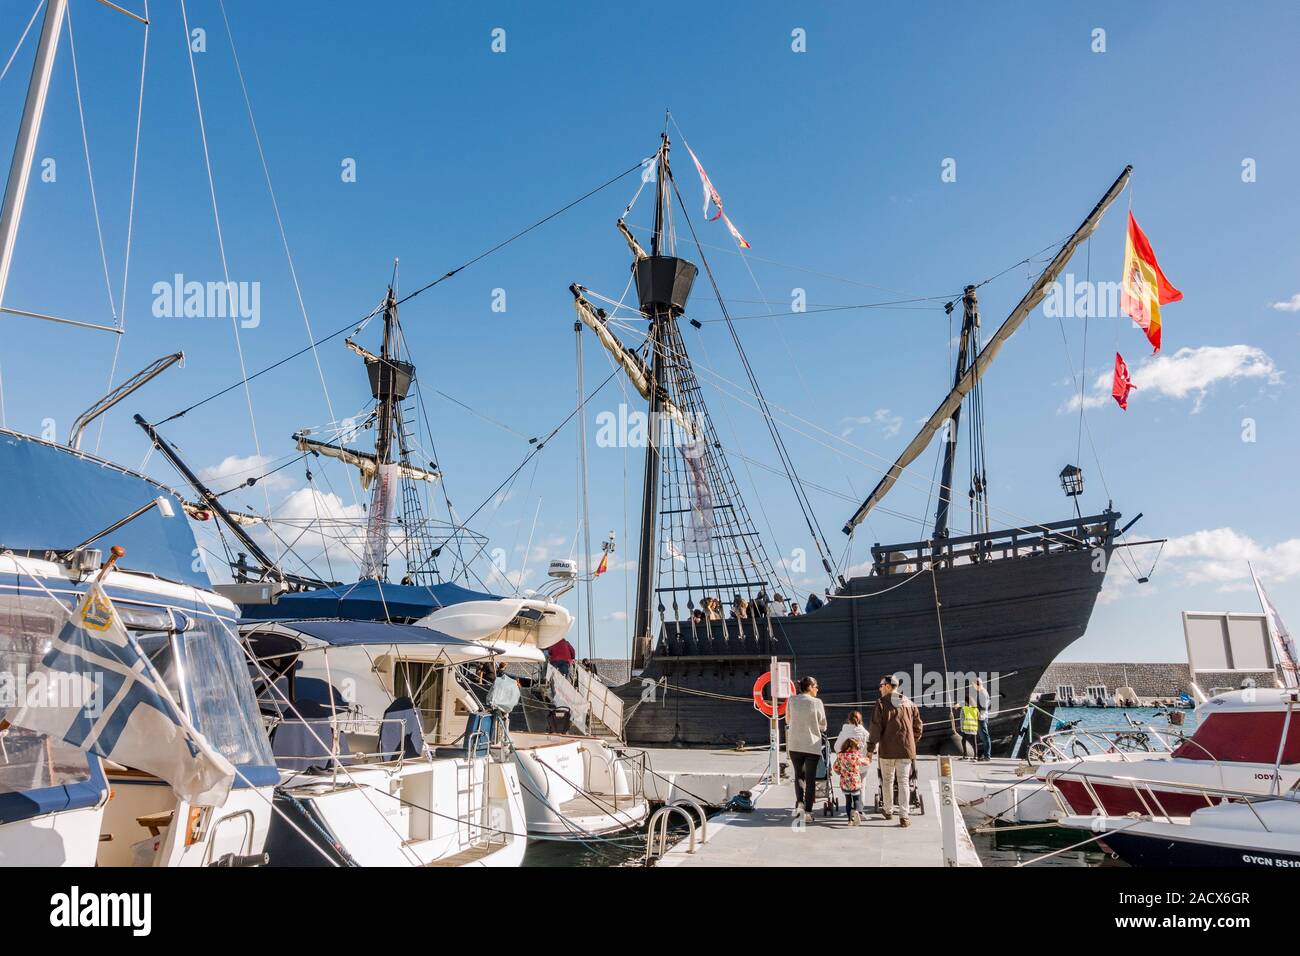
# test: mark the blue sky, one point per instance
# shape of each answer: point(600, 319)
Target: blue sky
point(829, 161)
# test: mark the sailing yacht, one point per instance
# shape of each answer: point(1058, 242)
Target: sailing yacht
point(573, 785)
point(59, 505)
point(999, 603)
point(60, 804)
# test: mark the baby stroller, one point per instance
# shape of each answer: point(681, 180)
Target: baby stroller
point(914, 802)
point(828, 782)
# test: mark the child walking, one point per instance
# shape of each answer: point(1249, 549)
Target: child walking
point(848, 765)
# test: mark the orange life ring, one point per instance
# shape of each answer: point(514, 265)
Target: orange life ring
point(760, 702)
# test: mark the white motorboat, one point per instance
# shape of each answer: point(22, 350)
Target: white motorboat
point(372, 773)
point(1246, 741)
point(1238, 830)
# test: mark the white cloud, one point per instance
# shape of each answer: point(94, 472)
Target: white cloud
point(1287, 305)
point(317, 525)
point(1219, 555)
point(236, 469)
point(1187, 373)
point(888, 423)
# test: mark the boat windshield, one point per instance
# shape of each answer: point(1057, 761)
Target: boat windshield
point(220, 695)
point(56, 498)
point(31, 761)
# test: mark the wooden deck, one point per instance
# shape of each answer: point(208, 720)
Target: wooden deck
point(469, 856)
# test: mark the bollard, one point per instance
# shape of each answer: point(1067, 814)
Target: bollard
point(947, 812)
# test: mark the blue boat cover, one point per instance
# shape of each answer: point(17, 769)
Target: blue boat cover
point(353, 633)
point(18, 805)
point(400, 732)
point(367, 600)
point(55, 498)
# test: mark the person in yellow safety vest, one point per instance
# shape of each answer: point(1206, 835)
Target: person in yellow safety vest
point(970, 725)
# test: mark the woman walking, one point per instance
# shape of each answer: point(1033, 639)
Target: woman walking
point(805, 723)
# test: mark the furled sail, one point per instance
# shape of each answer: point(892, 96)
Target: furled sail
point(699, 536)
point(364, 461)
point(1018, 315)
point(201, 512)
point(637, 371)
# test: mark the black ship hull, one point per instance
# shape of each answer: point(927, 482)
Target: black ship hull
point(1002, 619)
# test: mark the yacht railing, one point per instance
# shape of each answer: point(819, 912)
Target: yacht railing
point(633, 764)
point(332, 731)
point(1145, 790)
point(1109, 741)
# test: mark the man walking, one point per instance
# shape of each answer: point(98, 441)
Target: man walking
point(895, 728)
point(805, 718)
point(985, 748)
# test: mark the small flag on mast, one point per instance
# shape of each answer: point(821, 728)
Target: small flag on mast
point(603, 566)
point(1122, 384)
point(711, 196)
point(1144, 288)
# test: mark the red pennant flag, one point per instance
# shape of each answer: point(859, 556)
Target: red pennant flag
point(1122, 384)
point(603, 566)
point(1144, 288)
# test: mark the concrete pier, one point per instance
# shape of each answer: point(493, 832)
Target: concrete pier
point(771, 836)
point(710, 777)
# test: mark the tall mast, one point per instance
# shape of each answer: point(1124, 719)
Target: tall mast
point(648, 552)
point(29, 129)
point(384, 392)
point(390, 380)
point(970, 318)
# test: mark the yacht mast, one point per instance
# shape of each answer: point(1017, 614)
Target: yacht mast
point(29, 129)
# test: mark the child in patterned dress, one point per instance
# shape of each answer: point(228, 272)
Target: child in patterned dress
point(848, 766)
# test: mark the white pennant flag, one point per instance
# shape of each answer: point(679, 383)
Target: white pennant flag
point(711, 196)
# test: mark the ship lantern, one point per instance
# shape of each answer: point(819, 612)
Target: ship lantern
point(1072, 481)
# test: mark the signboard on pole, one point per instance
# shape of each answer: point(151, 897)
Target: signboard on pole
point(784, 687)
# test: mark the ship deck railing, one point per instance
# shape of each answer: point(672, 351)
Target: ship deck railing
point(1075, 534)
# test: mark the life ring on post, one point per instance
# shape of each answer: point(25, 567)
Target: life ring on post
point(760, 702)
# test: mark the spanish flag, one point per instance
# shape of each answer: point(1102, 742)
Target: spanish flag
point(1144, 287)
point(603, 566)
